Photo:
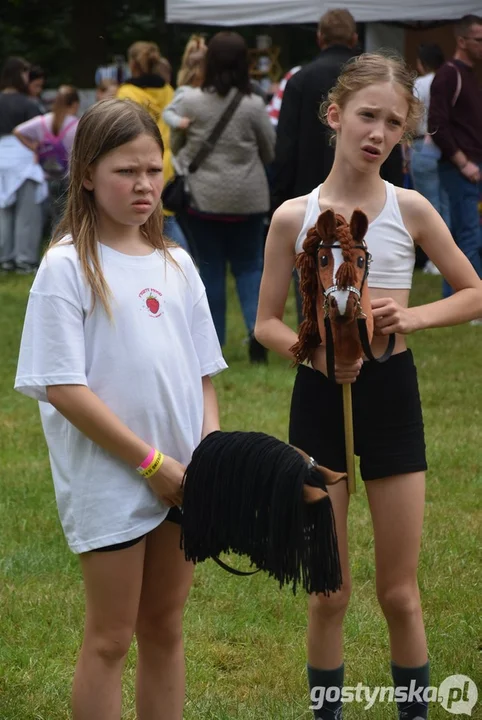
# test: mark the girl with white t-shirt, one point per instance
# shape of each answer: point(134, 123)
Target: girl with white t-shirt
point(370, 110)
point(119, 346)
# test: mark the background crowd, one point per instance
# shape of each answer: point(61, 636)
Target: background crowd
point(271, 148)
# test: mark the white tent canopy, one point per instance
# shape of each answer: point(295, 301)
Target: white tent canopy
point(279, 12)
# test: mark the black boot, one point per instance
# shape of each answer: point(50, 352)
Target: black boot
point(257, 353)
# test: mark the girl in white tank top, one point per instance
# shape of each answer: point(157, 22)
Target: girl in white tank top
point(371, 109)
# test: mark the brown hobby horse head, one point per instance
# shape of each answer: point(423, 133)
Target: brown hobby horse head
point(333, 271)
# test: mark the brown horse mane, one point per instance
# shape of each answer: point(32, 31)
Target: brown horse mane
point(308, 334)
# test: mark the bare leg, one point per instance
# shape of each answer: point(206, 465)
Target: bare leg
point(397, 507)
point(160, 668)
point(326, 614)
point(113, 582)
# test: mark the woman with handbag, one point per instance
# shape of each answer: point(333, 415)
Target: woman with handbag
point(222, 154)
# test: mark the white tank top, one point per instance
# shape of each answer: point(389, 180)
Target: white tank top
point(389, 242)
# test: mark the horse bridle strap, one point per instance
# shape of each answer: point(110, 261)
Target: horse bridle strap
point(362, 330)
point(361, 319)
point(334, 288)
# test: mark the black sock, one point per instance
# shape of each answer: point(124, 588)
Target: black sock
point(415, 679)
point(324, 680)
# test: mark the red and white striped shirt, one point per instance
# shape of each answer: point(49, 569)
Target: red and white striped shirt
point(274, 106)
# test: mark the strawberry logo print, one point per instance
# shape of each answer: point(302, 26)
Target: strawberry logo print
point(151, 302)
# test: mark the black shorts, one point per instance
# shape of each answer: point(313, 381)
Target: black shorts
point(174, 515)
point(387, 418)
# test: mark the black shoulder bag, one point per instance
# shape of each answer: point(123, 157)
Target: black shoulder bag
point(175, 196)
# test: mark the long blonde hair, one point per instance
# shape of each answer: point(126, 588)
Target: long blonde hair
point(191, 71)
point(67, 96)
point(105, 126)
point(369, 69)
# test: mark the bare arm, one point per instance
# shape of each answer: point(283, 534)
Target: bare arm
point(437, 242)
point(279, 261)
point(171, 114)
point(211, 410)
point(30, 144)
point(430, 232)
point(81, 407)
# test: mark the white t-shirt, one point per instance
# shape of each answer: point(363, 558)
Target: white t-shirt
point(146, 365)
point(422, 91)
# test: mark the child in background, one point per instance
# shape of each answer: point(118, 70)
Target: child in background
point(106, 89)
point(119, 346)
point(51, 137)
point(189, 76)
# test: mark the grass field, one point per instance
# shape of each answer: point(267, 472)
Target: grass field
point(245, 638)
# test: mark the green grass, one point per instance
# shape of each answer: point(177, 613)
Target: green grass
point(245, 638)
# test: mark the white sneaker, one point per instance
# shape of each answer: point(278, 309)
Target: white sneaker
point(477, 322)
point(431, 269)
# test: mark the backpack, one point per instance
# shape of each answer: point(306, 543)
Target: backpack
point(52, 153)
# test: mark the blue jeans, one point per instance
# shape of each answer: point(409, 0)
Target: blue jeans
point(240, 244)
point(426, 178)
point(464, 198)
point(172, 230)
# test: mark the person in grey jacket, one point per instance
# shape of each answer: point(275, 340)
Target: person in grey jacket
point(229, 192)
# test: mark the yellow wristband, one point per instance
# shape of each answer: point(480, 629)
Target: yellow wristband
point(153, 466)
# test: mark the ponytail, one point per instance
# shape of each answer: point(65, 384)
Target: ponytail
point(66, 97)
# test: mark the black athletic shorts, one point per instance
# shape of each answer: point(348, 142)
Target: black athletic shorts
point(174, 515)
point(387, 418)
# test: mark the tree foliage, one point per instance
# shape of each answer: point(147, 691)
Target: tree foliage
point(71, 38)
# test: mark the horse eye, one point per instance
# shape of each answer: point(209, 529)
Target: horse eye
point(324, 261)
point(360, 262)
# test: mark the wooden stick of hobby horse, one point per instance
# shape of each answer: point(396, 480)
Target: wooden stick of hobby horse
point(349, 442)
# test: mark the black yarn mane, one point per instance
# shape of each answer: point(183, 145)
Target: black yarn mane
point(243, 493)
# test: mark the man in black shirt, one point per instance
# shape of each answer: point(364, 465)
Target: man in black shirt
point(303, 155)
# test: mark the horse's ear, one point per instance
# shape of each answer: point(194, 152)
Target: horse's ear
point(326, 224)
point(358, 225)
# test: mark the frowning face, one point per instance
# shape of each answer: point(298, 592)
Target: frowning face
point(127, 182)
point(369, 126)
